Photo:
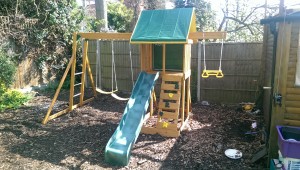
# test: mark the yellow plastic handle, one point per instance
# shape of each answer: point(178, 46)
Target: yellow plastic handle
point(217, 73)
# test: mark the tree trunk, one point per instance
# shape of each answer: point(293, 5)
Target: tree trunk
point(101, 13)
point(281, 8)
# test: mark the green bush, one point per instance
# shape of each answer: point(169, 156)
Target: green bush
point(13, 99)
point(7, 71)
point(9, 98)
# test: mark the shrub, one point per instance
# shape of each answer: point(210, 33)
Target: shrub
point(9, 98)
point(7, 71)
point(13, 99)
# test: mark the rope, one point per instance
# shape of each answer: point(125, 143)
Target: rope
point(97, 62)
point(98, 72)
point(221, 53)
point(130, 56)
point(113, 69)
point(281, 53)
point(204, 62)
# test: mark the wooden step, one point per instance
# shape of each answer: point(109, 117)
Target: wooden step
point(171, 78)
point(165, 86)
point(168, 115)
point(171, 106)
point(167, 96)
point(170, 126)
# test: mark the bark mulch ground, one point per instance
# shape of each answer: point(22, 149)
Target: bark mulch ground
point(77, 140)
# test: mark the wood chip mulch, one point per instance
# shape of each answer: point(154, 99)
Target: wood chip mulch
point(77, 140)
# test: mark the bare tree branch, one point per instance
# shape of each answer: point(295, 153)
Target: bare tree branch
point(241, 22)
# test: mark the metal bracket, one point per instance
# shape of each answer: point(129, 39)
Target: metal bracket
point(278, 99)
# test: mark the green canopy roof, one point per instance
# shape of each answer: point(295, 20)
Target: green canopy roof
point(164, 26)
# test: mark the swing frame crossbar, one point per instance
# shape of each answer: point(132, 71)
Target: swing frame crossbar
point(86, 68)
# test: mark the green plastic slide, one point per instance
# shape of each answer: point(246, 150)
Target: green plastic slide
point(118, 148)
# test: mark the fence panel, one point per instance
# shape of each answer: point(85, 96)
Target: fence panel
point(241, 65)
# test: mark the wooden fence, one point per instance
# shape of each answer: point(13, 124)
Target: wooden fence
point(241, 65)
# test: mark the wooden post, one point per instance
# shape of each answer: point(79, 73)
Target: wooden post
point(188, 96)
point(164, 59)
point(91, 75)
point(71, 100)
point(84, 58)
point(199, 70)
point(184, 58)
point(182, 100)
point(151, 103)
point(141, 56)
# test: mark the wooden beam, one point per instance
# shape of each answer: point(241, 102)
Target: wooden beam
point(105, 36)
point(293, 97)
point(291, 122)
point(207, 35)
point(291, 104)
point(182, 101)
point(295, 109)
point(164, 59)
point(91, 75)
point(188, 95)
point(293, 91)
point(127, 36)
point(292, 116)
point(154, 98)
point(151, 104)
point(68, 110)
point(74, 50)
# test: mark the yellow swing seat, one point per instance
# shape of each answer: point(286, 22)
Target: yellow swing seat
point(217, 73)
point(105, 92)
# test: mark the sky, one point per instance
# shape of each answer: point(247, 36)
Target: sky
point(217, 5)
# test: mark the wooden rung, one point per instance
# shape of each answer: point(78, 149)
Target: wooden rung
point(77, 84)
point(77, 95)
point(170, 96)
point(172, 106)
point(79, 73)
point(169, 115)
point(165, 86)
point(171, 78)
point(170, 126)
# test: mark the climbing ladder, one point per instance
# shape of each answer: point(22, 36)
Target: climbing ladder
point(169, 103)
point(74, 75)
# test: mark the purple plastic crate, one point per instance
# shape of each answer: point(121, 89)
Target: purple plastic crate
point(288, 148)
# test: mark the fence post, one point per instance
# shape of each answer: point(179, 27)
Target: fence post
point(199, 53)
